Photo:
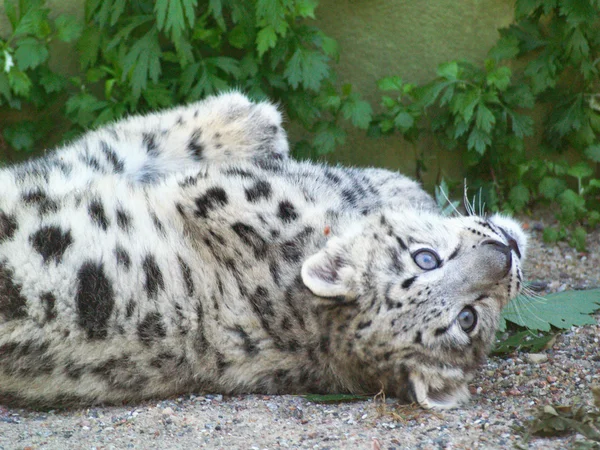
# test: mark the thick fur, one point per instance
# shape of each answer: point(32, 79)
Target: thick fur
point(183, 251)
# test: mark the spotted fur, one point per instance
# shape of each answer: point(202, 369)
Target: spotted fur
point(184, 251)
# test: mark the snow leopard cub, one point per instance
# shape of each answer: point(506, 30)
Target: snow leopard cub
point(184, 251)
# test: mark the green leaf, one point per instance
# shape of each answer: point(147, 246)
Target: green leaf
point(551, 187)
point(579, 11)
point(507, 47)
point(562, 310)
point(82, 108)
point(69, 28)
point(174, 16)
point(327, 136)
point(519, 196)
point(89, 46)
point(464, 103)
point(524, 341)
point(306, 8)
point(21, 136)
point(215, 7)
point(226, 64)
point(271, 12)
point(142, 62)
point(580, 170)
point(593, 152)
point(448, 70)
point(308, 68)
point(265, 39)
point(521, 124)
point(484, 118)
point(358, 111)
point(34, 22)
point(390, 84)
point(478, 140)
point(500, 78)
point(335, 398)
point(19, 82)
point(404, 121)
point(30, 53)
point(52, 82)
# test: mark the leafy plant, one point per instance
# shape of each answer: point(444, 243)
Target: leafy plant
point(137, 56)
point(535, 321)
point(26, 80)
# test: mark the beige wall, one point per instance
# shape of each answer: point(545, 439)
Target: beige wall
point(408, 38)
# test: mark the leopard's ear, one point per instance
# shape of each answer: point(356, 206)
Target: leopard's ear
point(329, 273)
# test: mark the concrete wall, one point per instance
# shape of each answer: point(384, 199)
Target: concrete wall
point(408, 38)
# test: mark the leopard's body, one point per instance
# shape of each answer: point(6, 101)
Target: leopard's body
point(185, 252)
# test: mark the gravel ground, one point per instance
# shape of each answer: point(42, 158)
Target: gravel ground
point(504, 392)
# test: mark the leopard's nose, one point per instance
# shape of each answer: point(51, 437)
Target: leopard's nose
point(502, 248)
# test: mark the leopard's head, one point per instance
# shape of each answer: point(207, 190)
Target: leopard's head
point(416, 298)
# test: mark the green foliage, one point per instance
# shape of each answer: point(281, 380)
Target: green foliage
point(26, 81)
point(148, 54)
point(482, 113)
point(536, 320)
point(561, 310)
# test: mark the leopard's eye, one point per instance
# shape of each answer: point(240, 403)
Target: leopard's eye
point(467, 319)
point(426, 259)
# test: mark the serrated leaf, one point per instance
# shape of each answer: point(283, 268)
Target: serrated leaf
point(68, 28)
point(525, 7)
point(89, 46)
point(265, 39)
point(358, 111)
point(327, 137)
point(484, 118)
point(21, 136)
point(507, 47)
point(226, 64)
point(52, 82)
point(500, 78)
point(521, 124)
point(270, 12)
point(448, 70)
point(464, 103)
point(478, 141)
point(82, 108)
point(519, 196)
point(562, 310)
point(142, 62)
point(33, 22)
point(30, 53)
point(577, 45)
point(551, 187)
point(174, 16)
point(308, 68)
